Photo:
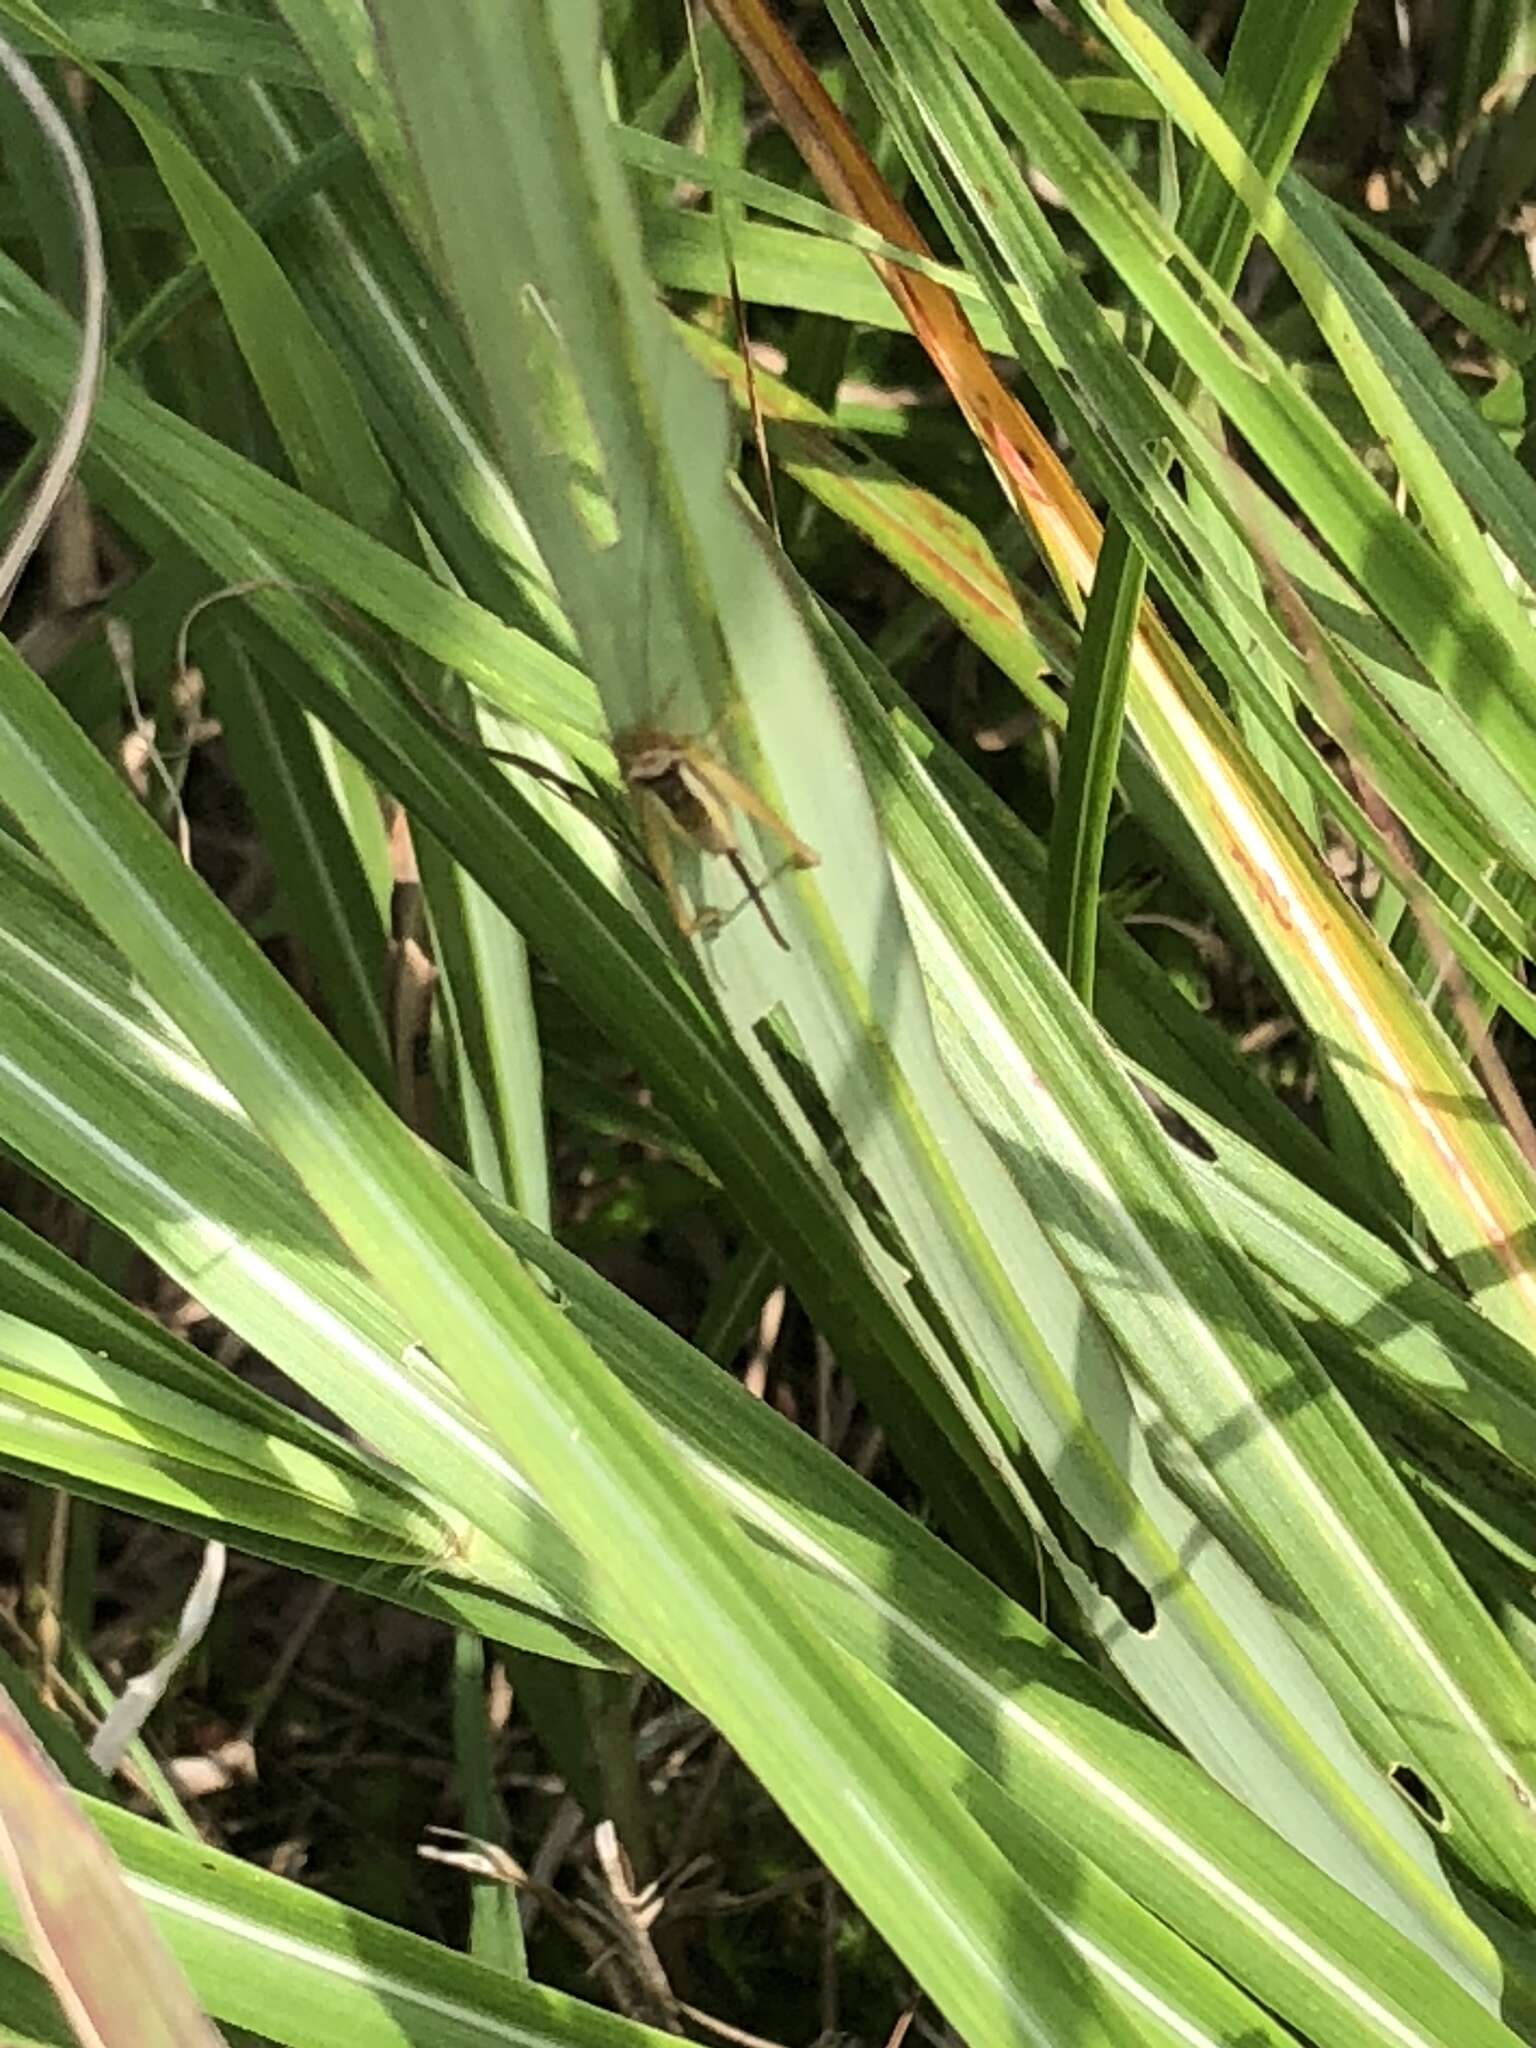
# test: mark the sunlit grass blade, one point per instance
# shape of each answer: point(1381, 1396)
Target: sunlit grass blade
point(491, 1329)
point(839, 1550)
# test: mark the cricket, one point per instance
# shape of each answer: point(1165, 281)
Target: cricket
point(681, 792)
point(683, 795)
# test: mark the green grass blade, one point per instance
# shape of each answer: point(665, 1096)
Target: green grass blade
point(854, 1546)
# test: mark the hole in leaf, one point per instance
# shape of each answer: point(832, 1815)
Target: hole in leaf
point(1117, 1582)
point(1418, 1793)
point(1175, 1126)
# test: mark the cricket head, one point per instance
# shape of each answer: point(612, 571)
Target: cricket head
point(646, 754)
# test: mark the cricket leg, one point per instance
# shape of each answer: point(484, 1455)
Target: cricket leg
point(755, 895)
point(658, 828)
point(716, 834)
point(730, 789)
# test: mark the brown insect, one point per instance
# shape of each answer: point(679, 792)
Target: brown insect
point(683, 794)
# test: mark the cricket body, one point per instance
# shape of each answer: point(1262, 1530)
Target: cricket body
point(682, 793)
